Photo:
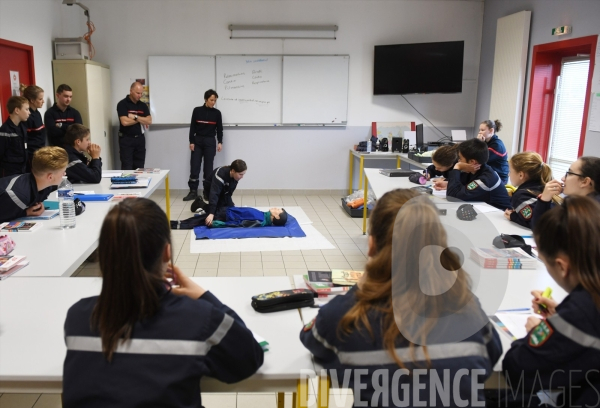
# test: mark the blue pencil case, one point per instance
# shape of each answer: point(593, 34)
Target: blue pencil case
point(124, 180)
point(94, 197)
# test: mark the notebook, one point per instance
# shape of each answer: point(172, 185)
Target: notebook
point(5, 274)
point(46, 215)
point(19, 226)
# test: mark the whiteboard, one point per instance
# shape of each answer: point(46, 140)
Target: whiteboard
point(315, 89)
point(177, 86)
point(249, 88)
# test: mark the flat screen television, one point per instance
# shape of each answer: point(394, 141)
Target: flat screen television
point(418, 68)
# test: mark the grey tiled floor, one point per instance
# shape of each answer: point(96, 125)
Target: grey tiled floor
point(327, 216)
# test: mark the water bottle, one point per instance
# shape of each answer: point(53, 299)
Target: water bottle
point(369, 146)
point(66, 204)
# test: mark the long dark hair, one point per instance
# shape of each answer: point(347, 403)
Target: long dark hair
point(132, 241)
point(375, 293)
point(572, 228)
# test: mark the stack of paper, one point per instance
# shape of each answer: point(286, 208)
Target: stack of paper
point(9, 264)
point(512, 258)
point(142, 182)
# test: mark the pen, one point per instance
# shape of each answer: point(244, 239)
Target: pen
point(524, 309)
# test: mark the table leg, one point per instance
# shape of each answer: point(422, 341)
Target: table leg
point(398, 164)
point(366, 196)
point(362, 168)
point(280, 400)
point(168, 198)
point(323, 394)
point(351, 173)
point(300, 398)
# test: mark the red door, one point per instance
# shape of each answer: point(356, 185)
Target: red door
point(14, 57)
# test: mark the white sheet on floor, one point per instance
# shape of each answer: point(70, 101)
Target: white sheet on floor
point(313, 240)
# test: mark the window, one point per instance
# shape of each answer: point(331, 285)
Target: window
point(567, 117)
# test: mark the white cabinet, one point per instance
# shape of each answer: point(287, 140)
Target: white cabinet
point(90, 81)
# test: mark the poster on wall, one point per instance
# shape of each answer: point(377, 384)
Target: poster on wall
point(146, 95)
point(14, 83)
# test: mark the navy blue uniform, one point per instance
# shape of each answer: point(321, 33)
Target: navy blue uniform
point(36, 134)
point(57, 122)
point(542, 206)
point(162, 365)
point(13, 148)
point(132, 142)
point(524, 201)
point(435, 173)
point(19, 192)
point(79, 170)
point(232, 217)
point(221, 189)
point(485, 185)
point(361, 351)
point(206, 122)
point(561, 353)
point(498, 159)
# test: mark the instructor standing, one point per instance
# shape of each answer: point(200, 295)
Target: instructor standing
point(206, 122)
point(134, 116)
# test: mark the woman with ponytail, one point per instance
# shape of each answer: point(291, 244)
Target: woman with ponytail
point(143, 342)
point(529, 174)
point(36, 131)
point(413, 309)
point(581, 179)
point(498, 159)
point(562, 351)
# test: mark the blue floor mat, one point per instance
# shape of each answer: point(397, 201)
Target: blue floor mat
point(290, 229)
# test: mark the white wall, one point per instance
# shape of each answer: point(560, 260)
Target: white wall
point(128, 31)
point(37, 23)
point(582, 15)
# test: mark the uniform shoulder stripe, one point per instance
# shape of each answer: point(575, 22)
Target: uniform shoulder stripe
point(525, 204)
point(572, 332)
point(73, 163)
point(12, 194)
point(485, 187)
point(219, 177)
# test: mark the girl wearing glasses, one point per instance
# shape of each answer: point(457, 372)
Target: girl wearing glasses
point(582, 179)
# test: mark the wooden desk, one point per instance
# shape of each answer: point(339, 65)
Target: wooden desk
point(32, 346)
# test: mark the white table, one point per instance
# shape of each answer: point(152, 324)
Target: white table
point(32, 347)
point(362, 156)
point(52, 251)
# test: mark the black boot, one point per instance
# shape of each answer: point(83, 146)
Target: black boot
point(198, 203)
point(191, 195)
point(174, 224)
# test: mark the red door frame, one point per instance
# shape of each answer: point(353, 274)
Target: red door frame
point(29, 50)
point(546, 63)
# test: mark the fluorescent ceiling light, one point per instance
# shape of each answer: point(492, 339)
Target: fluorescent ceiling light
point(323, 32)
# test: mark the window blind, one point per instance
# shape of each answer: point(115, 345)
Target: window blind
point(568, 115)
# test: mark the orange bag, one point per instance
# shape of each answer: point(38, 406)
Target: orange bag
point(357, 202)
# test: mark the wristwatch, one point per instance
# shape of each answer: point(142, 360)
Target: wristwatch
point(135, 117)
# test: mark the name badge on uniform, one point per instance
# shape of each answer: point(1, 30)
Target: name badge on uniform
point(540, 334)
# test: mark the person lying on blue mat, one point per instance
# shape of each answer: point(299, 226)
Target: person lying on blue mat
point(236, 217)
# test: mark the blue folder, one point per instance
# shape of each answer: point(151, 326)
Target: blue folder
point(290, 229)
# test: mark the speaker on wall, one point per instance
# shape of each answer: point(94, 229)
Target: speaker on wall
point(397, 144)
